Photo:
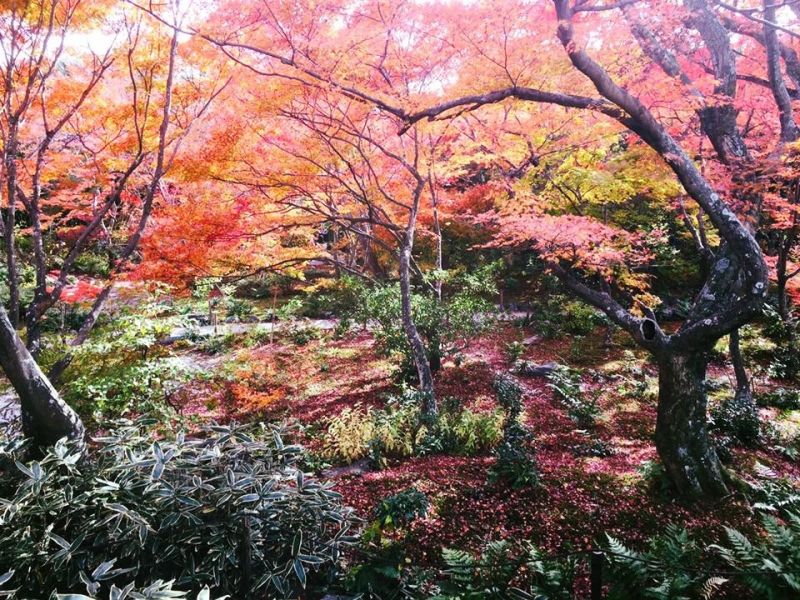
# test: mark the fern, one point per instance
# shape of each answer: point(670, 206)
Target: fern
point(771, 567)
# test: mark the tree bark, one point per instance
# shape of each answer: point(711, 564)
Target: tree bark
point(424, 372)
point(681, 436)
point(743, 389)
point(46, 418)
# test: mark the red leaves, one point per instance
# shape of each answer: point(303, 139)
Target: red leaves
point(583, 242)
point(82, 290)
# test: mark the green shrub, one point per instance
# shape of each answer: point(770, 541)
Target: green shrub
point(401, 508)
point(229, 511)
point(781, 398)
point(218, 344)
point(514, 351)
point(93, 264)
point(124, 369)
point(157, 590)
point(400, 430)
point(259, 335)
point(238, 308)
point(772, 493)
point(737, 419)
point(446, 326)
point(567, 387)
point(301, 336)
point(516, 462)
point(138, 388)
point(785, 362)
point(361, 432)
point(557, 315)
point(462, 431)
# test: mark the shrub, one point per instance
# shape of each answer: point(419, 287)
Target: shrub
point(514, 351)
point(301, 336)
point(124, 370)
point(238, 308)
point(772, 493)
point(401, 508)
point(138, 388)
point(229, 511)
point(785, 362)
point(516, 461)
point(736, 419)
point(446, 325)
point(558, 315)
point(360, 431)
point(218, 344)
point(781, 398)
point(158, 590)
point(566, 384)
point(399, 430)
point(462, 431)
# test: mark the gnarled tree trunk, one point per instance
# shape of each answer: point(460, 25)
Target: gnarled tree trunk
point(682, 438)
point(46, 418)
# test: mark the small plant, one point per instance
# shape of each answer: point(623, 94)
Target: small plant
point(654, 477)
point(361, 432)
point(218, 344)
point(568, 389)
point(785, 362)
point(259, 335)
point(502, 571)
point(591, 445)
point(514, 351)
point(770, 568)
point(401, 508)
point(515, 462)
point(667, 569)
point(773, 494)
point(399, 430)
point(301, 336)
point(238, 309)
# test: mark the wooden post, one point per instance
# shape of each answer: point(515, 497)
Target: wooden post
point(596, 574)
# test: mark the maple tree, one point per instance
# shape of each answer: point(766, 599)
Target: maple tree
point(684, 87)
point(591, 133)
point(86, 142)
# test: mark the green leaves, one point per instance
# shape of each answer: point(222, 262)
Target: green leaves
point(183, 509)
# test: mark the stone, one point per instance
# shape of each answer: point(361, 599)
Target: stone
point(530, 369)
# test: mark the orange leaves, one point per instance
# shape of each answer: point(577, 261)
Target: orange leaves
point(580, 242)
point(247, 399)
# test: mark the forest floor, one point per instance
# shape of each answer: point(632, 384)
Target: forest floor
point(307, 381)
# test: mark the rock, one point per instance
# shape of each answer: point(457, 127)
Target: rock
point(357, 468)
point(529, 369)
point(530, 341)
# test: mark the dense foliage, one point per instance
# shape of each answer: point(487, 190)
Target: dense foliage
point(228, 511)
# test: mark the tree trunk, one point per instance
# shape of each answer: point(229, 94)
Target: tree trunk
point(429, 407)
point(744, 393)
point(46, 418)
point(682, 439)
point(782, 279)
